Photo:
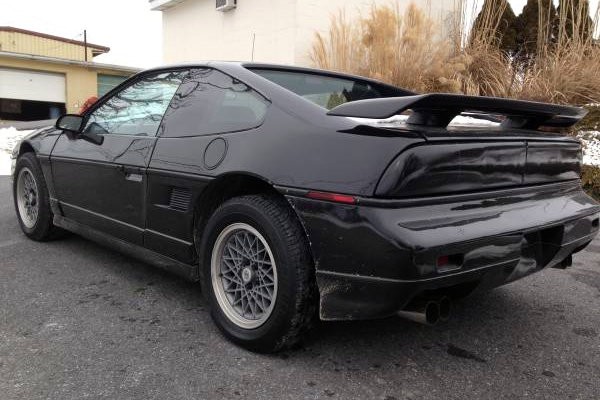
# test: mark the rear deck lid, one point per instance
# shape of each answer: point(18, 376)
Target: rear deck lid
point(461, 166)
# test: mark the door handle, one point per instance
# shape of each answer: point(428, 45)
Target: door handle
point(126, 169)
point(131, 173)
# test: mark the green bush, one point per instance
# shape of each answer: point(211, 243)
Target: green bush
point(590, 178)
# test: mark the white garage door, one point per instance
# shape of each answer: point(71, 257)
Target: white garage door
point(32, 85)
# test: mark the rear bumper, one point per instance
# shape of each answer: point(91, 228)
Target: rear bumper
point(373, 259)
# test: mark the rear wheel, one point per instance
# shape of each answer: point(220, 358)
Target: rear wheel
point(257, 273)
point(32, 202)
point(244, 275)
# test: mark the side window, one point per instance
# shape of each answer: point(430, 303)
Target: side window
point(209, 101)
point(138, 109)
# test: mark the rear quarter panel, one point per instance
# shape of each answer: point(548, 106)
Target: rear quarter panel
point(289, 150)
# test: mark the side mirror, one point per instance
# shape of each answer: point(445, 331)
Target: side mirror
point(73, 125)
point(70, 122)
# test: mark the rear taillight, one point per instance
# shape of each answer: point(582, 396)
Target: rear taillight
point(449, 262)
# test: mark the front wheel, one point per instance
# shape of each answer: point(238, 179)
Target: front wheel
point(257, 273)
point(32, 201)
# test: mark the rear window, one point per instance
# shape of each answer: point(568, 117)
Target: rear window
point(327, 91)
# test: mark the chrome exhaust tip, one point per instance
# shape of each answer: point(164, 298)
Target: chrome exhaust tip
point(427, 313)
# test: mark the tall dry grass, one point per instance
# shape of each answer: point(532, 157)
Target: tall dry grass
point(409, 50)
point(404, 49)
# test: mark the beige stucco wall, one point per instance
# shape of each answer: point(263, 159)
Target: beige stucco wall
point(18, 42)
point(80, 81)
point(284, 29)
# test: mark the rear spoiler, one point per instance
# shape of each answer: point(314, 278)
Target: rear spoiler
point(439, 109)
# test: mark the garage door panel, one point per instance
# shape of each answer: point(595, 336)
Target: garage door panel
point(108, 82)
point(32, 85)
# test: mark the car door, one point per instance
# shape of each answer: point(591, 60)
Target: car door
point(102, 183)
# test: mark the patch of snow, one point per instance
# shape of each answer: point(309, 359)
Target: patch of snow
point(9, 137)
point(400, 120)
point(590, 141)
point(4, 163)
point(391, 122)
point(470, 121)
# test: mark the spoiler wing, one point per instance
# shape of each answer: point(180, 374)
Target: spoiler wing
point(438, 110)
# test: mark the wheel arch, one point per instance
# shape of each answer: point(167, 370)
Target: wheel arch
point(232, 185)
point(25, 147)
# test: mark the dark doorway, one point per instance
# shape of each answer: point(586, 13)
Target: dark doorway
point(29, 110)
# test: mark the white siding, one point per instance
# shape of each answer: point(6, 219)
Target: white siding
point(283, 29)
point(32, 85)
point(194, 30)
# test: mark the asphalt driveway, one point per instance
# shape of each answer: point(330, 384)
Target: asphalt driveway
point(78, 320)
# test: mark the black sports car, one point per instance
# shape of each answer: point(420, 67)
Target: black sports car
point(293, 194)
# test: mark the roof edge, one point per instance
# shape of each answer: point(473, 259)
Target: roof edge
point(103, 49)
point(162, 5)
point(56, 60)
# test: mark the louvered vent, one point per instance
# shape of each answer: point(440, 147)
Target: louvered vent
point(180, 198)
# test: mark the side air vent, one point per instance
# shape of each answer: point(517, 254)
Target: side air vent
point(180, 199)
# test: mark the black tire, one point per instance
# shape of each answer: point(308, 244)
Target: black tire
point(43, 228)
point(294, 311)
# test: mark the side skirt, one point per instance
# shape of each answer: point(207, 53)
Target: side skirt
point(189, 272)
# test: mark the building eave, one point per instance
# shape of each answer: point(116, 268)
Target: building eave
point(95, 47)
point(162, 5)
point(55, 60)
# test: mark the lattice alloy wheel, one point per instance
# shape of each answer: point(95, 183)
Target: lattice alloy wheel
point(244, 275)
point(27, 196)
point(32, 201)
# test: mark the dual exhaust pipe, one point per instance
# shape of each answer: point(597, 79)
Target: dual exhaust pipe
point(428, 312)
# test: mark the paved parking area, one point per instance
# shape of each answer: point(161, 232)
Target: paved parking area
point(80, 321)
